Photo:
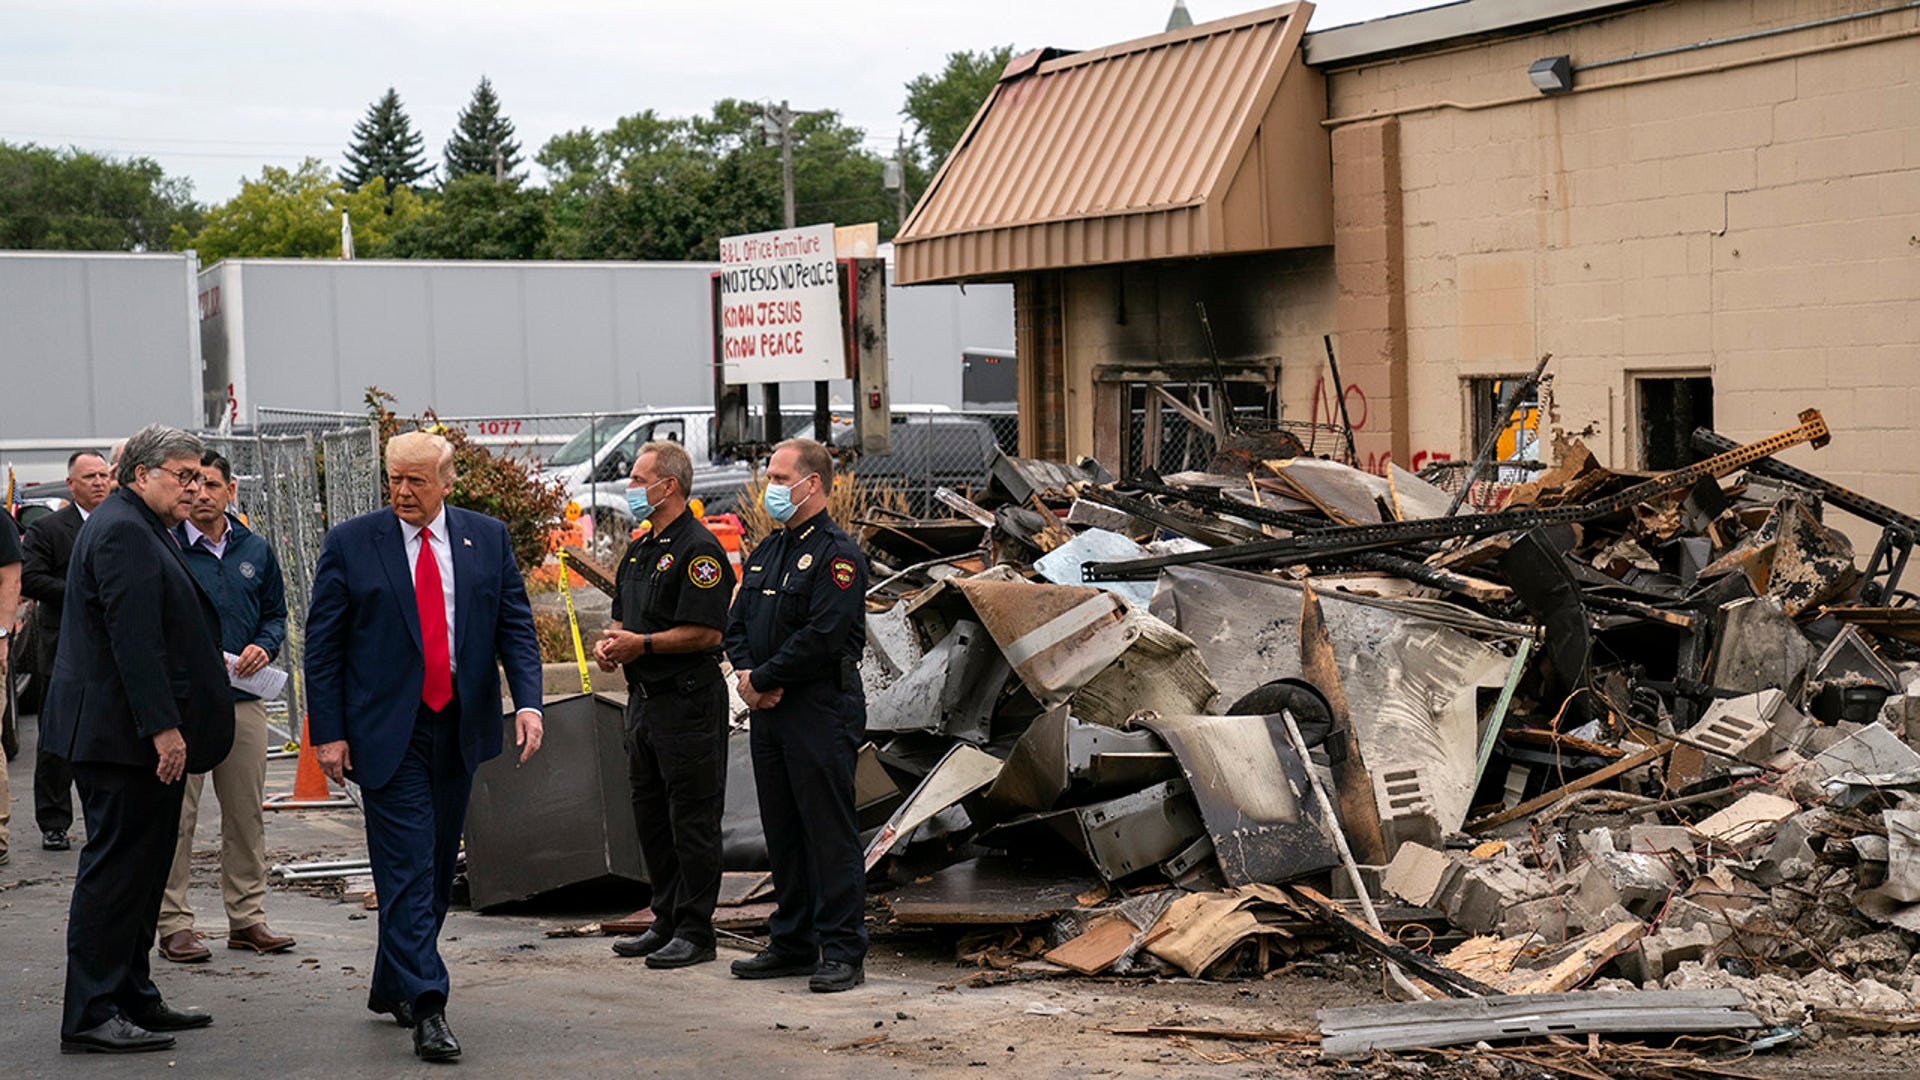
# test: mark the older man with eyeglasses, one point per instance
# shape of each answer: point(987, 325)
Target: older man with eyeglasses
point(139, 698)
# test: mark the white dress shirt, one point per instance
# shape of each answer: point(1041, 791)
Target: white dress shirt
point(195, 536)
point(443, 555)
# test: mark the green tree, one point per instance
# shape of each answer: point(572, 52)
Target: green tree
point(475, 218)
point(941, 106)
point(296, 214)
point(653, 187)
point(835, 178)
point(72, 200)
point(482, 139)
point(385, 144)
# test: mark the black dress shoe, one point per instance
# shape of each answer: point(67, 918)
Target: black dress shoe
point(680, 953)
point(835, 976)
point(767, 964)
point(433, 1040)
point(650, 942)
point(401, 1012)
point(117, 1036)
point(164, 1017)
point(55, 840)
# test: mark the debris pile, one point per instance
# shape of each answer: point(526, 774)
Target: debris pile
point(1626, 731)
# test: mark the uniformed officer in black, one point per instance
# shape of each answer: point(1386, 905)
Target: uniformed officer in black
point(795, 638)
point(669, 608)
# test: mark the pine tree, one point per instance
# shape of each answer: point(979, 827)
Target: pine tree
point(385, 144)
point(479, 134)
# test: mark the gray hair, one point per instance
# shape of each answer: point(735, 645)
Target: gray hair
point(154, 446)
point(670, 460)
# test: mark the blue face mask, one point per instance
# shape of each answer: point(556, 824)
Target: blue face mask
point(779, 500)
point(639, 503)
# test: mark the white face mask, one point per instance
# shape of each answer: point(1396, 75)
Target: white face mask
point(779, 499)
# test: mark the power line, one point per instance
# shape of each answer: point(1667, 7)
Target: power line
point(202, 154)
point(155, 138)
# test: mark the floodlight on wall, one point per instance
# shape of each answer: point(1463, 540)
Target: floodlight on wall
point(1554, 75)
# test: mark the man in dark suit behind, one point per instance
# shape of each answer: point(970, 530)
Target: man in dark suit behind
point(139, 698)
point(48, 546)
point(411, 609)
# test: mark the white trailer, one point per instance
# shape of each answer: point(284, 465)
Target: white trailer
point(520, 338)
point(93, 346)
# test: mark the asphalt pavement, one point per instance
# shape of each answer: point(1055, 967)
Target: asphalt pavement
point(522, 1004)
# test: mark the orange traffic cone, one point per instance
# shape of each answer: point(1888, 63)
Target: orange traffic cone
point(310, 788)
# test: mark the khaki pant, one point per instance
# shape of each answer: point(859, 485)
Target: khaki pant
point(6, 790)
point(239, 783)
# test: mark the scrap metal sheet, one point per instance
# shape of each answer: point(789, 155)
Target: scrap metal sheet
point(1411, 681)
point(1253, 795)
point(962, 772)
point(1057, 637)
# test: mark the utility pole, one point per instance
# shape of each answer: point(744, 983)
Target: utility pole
point(499, 166)
point(900, 161)
point(770, 392)
point(786, 161)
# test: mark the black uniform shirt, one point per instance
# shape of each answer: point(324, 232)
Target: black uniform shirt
point(801, 613)
point(672, 577)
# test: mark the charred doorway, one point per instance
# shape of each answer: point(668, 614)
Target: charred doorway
point(1670, 408)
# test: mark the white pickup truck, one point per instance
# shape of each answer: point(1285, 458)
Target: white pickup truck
point(932, 447)
point(594, 464)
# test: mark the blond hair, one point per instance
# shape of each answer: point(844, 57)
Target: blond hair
point(421, 448)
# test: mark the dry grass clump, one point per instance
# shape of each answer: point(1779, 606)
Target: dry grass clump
point(849, 500)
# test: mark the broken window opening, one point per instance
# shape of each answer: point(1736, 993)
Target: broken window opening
point(1669, 409)
point(1164, 438)
point(1519, 439)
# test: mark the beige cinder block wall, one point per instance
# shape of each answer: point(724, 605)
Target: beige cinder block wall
point(1758, 222)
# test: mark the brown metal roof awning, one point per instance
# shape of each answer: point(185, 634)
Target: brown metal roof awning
point(1202, 141)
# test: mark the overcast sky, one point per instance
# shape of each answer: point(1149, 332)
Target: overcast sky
point(214, 89)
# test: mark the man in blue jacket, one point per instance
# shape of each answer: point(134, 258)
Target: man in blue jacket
point(415, 610)
point(238, 571)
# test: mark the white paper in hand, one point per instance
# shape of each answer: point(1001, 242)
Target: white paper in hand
point(265, 683)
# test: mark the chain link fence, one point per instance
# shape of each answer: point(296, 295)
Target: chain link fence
point(931, 448)
point(291, 487)
point(935, 450)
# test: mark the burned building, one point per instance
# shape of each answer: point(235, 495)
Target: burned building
point(1704, 212)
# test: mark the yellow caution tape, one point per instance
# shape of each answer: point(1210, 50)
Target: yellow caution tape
point(573, 621)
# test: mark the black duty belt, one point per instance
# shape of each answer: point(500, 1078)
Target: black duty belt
point(686, 682)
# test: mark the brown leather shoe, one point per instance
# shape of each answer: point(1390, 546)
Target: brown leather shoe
point(260, 939)
point(183, 947)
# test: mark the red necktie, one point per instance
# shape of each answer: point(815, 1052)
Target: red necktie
point(432, 602)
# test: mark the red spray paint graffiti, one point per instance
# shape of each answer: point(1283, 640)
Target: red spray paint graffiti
point(1326, 410)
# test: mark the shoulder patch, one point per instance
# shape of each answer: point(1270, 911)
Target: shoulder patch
point(842, 571)
point(704, 572)
point(665, 563)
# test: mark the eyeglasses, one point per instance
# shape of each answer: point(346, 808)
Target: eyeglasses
point(188, 478)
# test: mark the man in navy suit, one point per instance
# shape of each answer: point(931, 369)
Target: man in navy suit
point(411, 608)
point(139, 698)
